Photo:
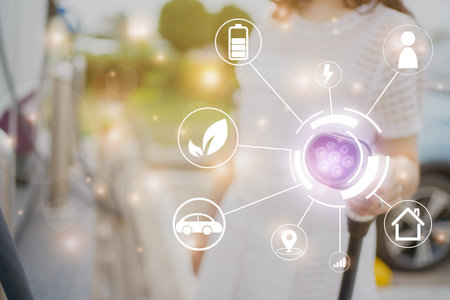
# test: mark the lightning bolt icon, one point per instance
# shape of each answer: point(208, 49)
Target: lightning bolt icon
point(327, 73)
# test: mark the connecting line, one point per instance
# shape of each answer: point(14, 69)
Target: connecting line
point(310, 204)
point(275, 92)
point(265, 198)
point(382, 93)
point(331, 101)
point(264, 148)
point(340, 229)
point(382, 200)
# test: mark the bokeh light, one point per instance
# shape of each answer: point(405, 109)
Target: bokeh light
point(138, 29)
point(121, 80)
point(211, 77)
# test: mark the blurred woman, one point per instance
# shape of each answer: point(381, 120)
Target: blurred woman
point(301, 35)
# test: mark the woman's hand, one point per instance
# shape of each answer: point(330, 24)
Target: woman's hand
point(401, 180)
point(390, 191)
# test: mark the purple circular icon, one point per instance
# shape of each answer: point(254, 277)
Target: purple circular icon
point(332, 159)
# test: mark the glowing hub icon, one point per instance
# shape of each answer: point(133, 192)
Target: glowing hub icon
point(333, 159)
point(327, 153)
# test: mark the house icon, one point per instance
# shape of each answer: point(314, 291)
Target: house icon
point(420, 223)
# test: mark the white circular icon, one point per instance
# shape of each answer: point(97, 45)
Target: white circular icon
point(195, 225)
point(408, 49)
point(408, 224)
point(208, 137)
point(339, 262)
point(233, 42)
point(289, 242)
point(328, 74)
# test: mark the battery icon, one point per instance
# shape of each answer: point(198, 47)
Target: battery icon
point(238, 42)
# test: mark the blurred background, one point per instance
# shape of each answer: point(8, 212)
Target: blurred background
point(91, 97)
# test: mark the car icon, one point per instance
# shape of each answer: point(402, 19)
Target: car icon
point(198, 223)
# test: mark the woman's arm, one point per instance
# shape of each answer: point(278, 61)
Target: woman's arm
point(225, 176)
point(402, 179)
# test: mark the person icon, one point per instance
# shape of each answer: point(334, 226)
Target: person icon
point(408, 57)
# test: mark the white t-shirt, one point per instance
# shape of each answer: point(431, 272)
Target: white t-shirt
point(242, 265)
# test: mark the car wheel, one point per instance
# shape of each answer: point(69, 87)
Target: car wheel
point(434, 194)
point(207, 230)
point(187, 230)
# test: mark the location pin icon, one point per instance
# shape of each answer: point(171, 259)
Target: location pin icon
point(289, 237)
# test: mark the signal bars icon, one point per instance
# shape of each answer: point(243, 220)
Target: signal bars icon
point(342, 263)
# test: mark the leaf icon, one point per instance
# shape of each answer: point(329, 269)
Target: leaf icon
point(195, 150)
point(215, 137)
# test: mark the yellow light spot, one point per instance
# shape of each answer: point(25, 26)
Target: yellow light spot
point(422, 48)
point(139, 249)
point(440, 86)
point(286, 26)
point(262, 123)
point(56, 37)
point(153, 183)
point(283, 13)
point(114, 135)
point(210, 78)
point(440, 237)
point(222, 170)
point(20, 212)
point(334, 19)
point(138, 29)
point(71, 243)
point(9, 141)
point(356, 86)
point(155, 118)
point(135, 198)
point(32, 117)
point(100, 190)
point(160, 57)
point(88, 179)
point(303, 81)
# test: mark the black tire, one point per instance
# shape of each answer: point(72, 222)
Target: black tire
point(431, 185)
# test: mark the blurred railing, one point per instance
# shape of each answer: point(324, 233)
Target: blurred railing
point(68, 84)
point(7, 182)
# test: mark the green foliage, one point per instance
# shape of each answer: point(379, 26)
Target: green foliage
point(169, 88)
point(186, 24)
